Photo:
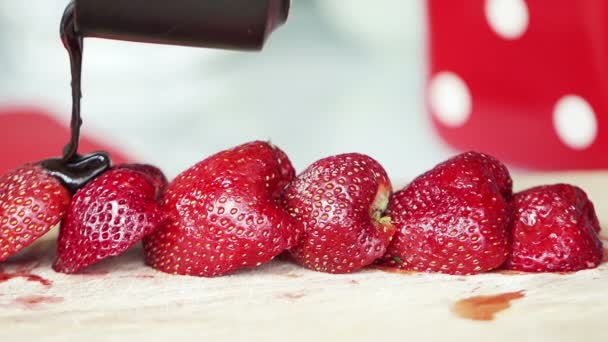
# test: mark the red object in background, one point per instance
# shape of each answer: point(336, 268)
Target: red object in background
point(525, 81)
point(29, 134)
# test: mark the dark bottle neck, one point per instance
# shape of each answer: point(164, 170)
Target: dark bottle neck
point(227, 24)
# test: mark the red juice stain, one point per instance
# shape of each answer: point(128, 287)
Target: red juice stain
point(35, 301)
point(5, 276)
point(485, 308)
point(39, 279)
point(25, 273)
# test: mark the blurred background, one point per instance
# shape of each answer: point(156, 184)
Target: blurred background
point(334, 79)
point(338, 77)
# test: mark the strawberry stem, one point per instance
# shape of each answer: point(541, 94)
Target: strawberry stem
point(398, 260)
point(380, 205)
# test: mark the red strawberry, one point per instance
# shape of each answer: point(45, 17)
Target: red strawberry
point(156, 176)
point(223, 214)
point(555, 230)
point(31, 203)
point(453, 219)
point(493, 171)
point(340, 202)
point(108, 216)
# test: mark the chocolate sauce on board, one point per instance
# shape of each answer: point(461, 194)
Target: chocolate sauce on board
point(485, 308)
point(226, 24)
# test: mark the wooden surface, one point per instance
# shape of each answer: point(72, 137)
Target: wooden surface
point(122, 299)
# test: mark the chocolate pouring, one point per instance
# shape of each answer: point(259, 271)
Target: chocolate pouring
point(227, 24)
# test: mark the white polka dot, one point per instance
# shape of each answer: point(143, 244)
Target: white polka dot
point(575, 122)
point(450, 99)
point(508, 18)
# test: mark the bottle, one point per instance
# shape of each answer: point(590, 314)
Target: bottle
point(225, 24)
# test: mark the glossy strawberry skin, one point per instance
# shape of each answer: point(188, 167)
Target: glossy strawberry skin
point(555, 230)
point(340, 202)
point(473, 170)
point(31, 203)
point(155, 175)
point(224, 215)
point(453, 219)
point(492, 171)
point(106, 217)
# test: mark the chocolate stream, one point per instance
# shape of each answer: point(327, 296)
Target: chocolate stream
point(230, 24)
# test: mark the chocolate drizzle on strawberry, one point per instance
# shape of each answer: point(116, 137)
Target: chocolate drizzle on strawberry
point(78, 171)
point(75, 170)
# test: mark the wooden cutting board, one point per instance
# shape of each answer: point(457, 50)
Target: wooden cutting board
point(122, 299)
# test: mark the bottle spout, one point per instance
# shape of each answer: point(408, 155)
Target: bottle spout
point(283, 8)
point(278, 13)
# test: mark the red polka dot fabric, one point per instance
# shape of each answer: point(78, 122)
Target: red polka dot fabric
point(522, 80)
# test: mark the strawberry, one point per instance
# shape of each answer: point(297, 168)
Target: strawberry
point(224, 214)
point(555, 230)
point(108, 216)
point(155, 175)
point(31, 203)
point(340, 201)
point(453, 219)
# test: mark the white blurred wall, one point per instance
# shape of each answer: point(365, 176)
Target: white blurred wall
point(342, 76)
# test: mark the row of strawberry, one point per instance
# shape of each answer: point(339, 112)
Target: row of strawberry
point(244, 206)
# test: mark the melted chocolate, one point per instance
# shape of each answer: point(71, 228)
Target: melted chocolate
point(485, 308)
point(75, 45)
point(75, 170)
point(231, 24)
point(78, 171)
